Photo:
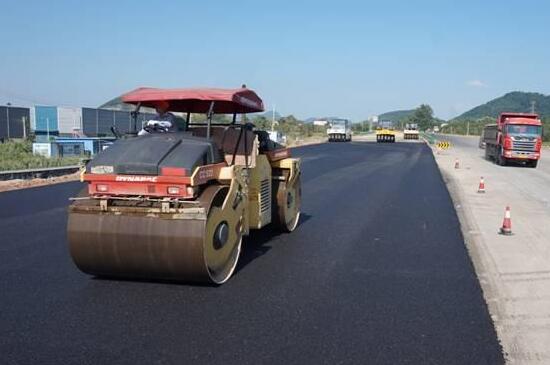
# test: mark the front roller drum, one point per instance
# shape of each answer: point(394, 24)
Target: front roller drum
point(203, 249)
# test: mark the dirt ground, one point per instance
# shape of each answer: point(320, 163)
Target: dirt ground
point(31, 183)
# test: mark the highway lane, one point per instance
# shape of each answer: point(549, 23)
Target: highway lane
point(377, 272)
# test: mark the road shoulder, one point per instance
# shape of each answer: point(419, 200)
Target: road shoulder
point(513, 271)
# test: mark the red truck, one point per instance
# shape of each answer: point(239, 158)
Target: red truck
point(516, 137)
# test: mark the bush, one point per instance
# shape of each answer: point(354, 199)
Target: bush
point(19, 156)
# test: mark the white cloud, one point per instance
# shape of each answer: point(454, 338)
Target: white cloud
point(476, 83)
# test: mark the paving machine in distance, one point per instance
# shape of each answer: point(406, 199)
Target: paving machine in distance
point(517, 137)
point(339, 130)
point(410, 131)
point(176, 205)
point(385, 132)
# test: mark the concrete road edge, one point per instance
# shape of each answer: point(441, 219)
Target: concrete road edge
point(476, 247)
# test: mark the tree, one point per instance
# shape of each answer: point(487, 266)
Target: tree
point(423, 116)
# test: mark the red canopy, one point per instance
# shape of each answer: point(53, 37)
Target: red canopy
point(226, 101)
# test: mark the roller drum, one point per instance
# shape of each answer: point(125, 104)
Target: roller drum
point(112, 244)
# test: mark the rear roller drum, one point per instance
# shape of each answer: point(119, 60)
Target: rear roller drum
point(288, 199)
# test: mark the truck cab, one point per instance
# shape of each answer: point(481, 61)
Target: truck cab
point(411, 131)
point(339, 130)
point(516, 137)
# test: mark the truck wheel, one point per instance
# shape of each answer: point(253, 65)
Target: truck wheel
point(501, 161)
point(487, 154)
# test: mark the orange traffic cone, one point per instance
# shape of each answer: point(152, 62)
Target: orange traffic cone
point(457, 165)
point(481, 188)
point(506, 228)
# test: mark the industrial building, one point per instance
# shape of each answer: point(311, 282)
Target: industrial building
point(64, 130)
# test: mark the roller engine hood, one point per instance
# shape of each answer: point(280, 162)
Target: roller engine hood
point(146, 155)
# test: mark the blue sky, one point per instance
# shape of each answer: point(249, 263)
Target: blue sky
point(309, 58)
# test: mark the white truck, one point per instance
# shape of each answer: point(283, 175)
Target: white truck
point(339, 130)
point(410, 131)
point(277, 136)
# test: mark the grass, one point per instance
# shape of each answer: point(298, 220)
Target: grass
point(19, 156)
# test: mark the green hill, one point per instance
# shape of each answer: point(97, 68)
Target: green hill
point(516, 101)
point(396, 115)
point(118, 104)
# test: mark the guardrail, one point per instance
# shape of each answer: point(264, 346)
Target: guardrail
point(42, 172)
point(430, 138)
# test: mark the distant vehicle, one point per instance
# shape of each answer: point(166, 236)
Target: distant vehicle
point(277, 137)
point(482, 139)
point(339, 130)
point(410, 131)
point(436, 129)
point(516, 137)
point(385, 131)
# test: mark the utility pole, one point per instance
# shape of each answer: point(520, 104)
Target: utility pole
point(533, 103)
point(468, 128)
point(8, 119)
point(24, 120)
point(273, 119)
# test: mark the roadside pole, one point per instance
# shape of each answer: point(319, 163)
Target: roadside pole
point(8, 119)
point(24, 120)
point(273, 119)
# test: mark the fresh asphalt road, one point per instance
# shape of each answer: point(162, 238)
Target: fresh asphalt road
point(376, 273)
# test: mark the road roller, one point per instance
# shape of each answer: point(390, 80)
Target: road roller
point(175, 204)
point(385, 132)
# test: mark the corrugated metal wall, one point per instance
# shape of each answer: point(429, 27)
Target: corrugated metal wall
point(46, 119)
point(3, 122)
point(89, 122)
point(105, 120)
point(98, 122)
point(19, 122)
point(69, 120)
point(123, 121)
point(19, 118)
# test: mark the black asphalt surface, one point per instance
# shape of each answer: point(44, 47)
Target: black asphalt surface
point(376, 273)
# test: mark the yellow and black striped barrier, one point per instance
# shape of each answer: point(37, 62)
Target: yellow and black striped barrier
point(444, 145)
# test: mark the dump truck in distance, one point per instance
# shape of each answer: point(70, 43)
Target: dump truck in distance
point(517, 137)
point(339, 130)
point(410, 131)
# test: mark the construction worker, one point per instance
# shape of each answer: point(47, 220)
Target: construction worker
point(164, 121)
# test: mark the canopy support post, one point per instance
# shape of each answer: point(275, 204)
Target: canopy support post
point(209, 120)
point(134, 117)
